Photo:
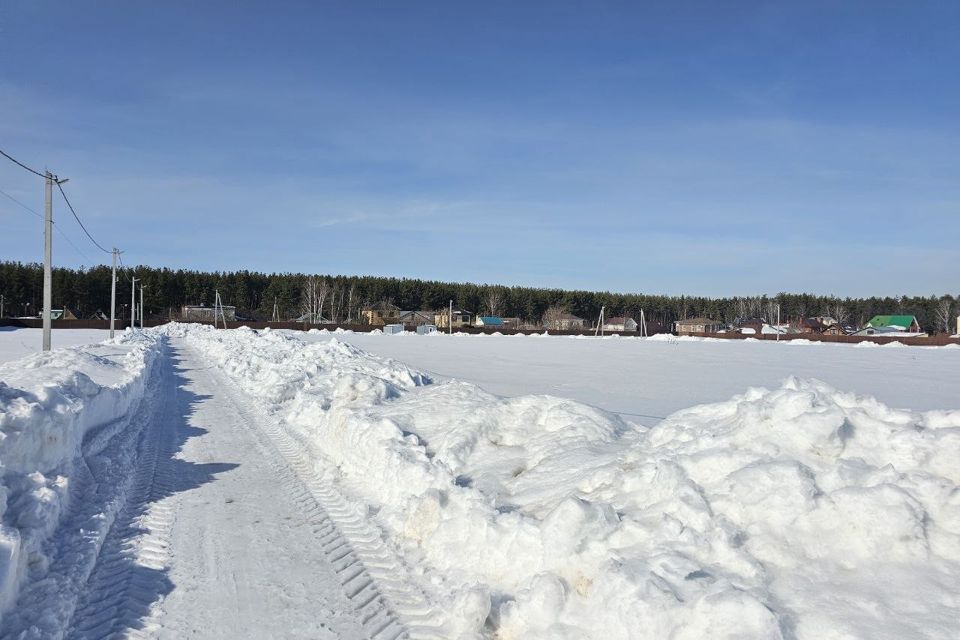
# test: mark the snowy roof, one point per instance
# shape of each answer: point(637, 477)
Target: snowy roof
point(818, 323)
point(617, 320)
point(892, 321)
point(192, 307)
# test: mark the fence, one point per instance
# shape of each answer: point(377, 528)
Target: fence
point(37, 323)
point(928, 341)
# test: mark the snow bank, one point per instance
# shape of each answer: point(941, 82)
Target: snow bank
point(801, 511)
point(48, 402)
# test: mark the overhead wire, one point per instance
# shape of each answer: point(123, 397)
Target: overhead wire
point(67, 238)
point(62, 193)
point(34, 212)
point(70, 206)
point(17, 162)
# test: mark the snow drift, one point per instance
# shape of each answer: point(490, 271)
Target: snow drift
point(801, 511)
point(48, 403)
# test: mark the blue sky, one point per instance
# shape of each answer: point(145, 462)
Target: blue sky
point(700, 148)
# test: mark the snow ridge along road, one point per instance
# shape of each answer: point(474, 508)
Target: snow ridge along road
point(775, 514)
point(185, 518)
point(370, 575)
point(69, 421)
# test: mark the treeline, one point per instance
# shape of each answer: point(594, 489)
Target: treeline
point(87, 291)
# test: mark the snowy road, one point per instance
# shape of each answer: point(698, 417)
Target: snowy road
point(218, 537)
point(189, 482)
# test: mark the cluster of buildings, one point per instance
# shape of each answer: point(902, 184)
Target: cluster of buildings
point(881, 325)
point(382, 315)
point(389, 315)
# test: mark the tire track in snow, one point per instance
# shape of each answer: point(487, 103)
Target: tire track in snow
point(125, 585)
point(102, 481)
point(371, 576)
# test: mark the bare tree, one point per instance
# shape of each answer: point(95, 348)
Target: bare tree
point(494, 300)
point(350, 305)
point(336, 304)
point(771, 311)
point(310, 299)
point(749, 308)
point(552, 317)
point(323, 291)
point(839, 313)
point(944, 314)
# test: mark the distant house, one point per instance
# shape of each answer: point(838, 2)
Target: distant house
point(459, 317)
point(381, 314)
point(511, 323)
point(620, 323)
point(489, 321)
point(821, 325)
point(698, 325)
point(774, 329)
point(907, 324)
point(417, 318)
point(203, 313)
point(889, 332)
point(62, 314)
point(565, 322)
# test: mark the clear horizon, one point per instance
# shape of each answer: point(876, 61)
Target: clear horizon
point(689, 149)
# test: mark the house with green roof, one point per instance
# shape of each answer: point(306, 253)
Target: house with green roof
point(907, 324)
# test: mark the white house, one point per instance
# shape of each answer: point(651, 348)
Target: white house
point(620, 324)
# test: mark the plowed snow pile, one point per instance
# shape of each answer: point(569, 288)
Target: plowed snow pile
point(49, 402)
point(801, 511)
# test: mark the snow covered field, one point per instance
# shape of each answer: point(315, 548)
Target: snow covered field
point(16, 343)
point(648, 379)
point(273, 484)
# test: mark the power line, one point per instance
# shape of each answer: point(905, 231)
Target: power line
point(17, 162)
point(55, 226)
point(70, 206)
point(34, 212)
point(67, 238)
